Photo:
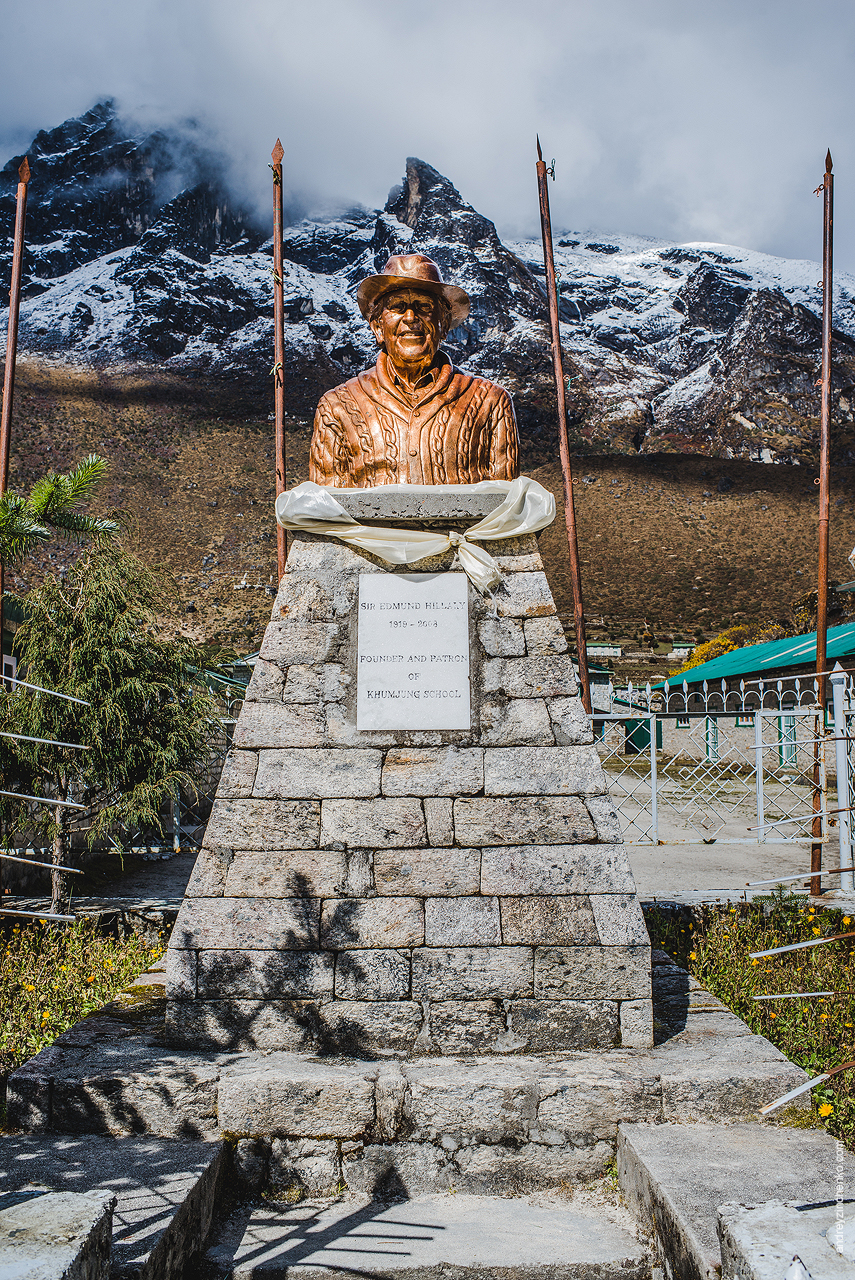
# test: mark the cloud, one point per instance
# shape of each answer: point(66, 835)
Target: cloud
point(666, 117)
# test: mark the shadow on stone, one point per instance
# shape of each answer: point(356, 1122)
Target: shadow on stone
point(671, 987)
point(253, 998)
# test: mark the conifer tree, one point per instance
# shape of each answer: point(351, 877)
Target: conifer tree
point(94, 633)
point(53, 506)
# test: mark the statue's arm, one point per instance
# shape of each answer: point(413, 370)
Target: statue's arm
point(505, 441)
point(328, 454)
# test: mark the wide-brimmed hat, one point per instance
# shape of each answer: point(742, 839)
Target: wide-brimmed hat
point(414, 271)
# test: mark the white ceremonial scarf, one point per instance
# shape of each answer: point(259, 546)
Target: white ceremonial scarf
point(527, 507)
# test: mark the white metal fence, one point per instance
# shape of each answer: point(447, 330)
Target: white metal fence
point(733, 766)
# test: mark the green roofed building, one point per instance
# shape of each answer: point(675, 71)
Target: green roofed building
point(780, 670)
point(774, 660)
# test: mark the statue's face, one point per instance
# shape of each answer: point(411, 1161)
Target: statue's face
point(409, 327)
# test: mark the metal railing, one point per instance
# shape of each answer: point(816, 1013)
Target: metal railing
point(713, 783)
point(714, 764)
point(709, 697)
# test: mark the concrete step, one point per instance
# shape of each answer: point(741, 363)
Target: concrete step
point(489, 1126)
point(165, 1192)
point(675, 1176)
point(760, 1242)
point(55, 1236)
point(530, 1238)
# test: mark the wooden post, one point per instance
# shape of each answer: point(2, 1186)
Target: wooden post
point(12, 347)
point(280, 447)
point(563, 443)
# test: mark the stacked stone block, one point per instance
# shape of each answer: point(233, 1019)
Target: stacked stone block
point(411, 892)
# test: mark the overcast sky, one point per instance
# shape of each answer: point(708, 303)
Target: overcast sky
point(681, 119)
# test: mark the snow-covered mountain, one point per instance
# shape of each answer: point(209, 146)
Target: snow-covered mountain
point(696, 348)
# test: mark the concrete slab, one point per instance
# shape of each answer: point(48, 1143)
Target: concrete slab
point(433, 1236)
point(674, 1177)
point(490, 1126)
point(164, 1191)
point(56, 1236)
point(694, 873)
point(709, 872)
point(417, 503)
point(759, 1242)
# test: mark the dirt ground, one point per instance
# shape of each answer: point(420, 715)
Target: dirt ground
point(685, 544)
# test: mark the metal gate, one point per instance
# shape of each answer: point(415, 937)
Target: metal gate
point(732, 765)
point(716, 783)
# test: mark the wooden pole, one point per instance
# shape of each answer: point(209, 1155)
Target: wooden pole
point(824, 472)
point(12, 346)
point(280, 447)
point(563, 443)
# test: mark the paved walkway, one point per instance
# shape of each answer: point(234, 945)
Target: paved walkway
point(669, 872)
point(709, 872)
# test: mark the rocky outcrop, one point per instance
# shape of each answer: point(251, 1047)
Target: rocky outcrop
point(756, 396)
point(687, 348)
point(96, 188)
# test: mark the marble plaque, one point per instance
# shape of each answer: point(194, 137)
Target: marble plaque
point(413, 651)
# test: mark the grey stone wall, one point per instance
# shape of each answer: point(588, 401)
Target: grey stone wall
point(411, 893)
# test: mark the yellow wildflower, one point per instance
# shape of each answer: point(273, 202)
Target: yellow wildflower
point(692, 955)
point(847, 919)
point(826, 1109)
point(815, 931)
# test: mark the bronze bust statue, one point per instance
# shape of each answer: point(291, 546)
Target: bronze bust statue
point(414, 418)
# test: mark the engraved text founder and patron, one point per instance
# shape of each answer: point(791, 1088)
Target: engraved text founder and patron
point(414, 418)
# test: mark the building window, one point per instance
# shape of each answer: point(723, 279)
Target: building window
point(682, 722)
point(787, 748)
point(10, 671)
point(744, 721)
point(712, 738)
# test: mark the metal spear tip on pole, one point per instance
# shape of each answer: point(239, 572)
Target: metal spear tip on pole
point(828, 161)
point(539, 152)
point(24, 170)
point(277, 153)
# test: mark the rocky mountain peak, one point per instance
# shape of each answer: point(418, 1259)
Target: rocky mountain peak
point(197, 223)
point(712, 297)
point(465, 245)
point(97, 186)
point(137, 251)
point(430, 204)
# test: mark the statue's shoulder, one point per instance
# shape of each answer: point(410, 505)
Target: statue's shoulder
point(335, 400)
point(489, 391)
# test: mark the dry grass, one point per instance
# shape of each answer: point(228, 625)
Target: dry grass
point(816, 1033)
point(653, 546)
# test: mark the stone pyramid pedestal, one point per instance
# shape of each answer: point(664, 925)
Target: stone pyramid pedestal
point(404, 891)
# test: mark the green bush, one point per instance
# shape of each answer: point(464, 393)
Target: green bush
point(816, 1033)
point(51, 978)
